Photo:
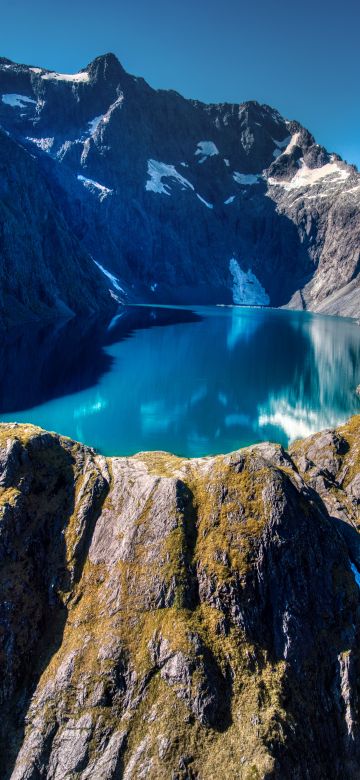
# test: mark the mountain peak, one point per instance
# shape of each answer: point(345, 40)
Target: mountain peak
point(237, 181)
point(108, 58)
point(106, 66)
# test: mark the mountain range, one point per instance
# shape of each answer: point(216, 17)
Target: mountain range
point(113, 191)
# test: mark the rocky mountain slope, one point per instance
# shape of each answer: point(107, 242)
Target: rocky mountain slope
point(44, 270)
point(176, 200)
point(172, 618)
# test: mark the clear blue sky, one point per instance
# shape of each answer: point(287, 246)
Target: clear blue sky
point(300, 57)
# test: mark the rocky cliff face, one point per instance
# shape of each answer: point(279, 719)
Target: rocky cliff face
point(167, 618)
point(43, 268)
point(181, 201)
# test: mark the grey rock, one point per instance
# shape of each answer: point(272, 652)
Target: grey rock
point(70, 748)
point(354, 488)
point(108, 766)
point(207, 696)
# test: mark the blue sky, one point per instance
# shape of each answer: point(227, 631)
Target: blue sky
point(302, 58)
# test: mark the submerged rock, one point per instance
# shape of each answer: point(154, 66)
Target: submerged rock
point(171, 618)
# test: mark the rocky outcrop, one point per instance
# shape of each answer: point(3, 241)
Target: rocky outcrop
point(177, 200)
point(171, 618)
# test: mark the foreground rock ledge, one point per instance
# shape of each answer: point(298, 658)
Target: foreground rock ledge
point(171, 618)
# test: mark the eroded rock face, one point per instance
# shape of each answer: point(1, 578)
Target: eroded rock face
point(171, 618)
point(178, 200)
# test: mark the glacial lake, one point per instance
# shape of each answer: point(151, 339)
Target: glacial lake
point(193, 381)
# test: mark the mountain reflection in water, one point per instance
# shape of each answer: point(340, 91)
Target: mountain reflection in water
point(192, 381)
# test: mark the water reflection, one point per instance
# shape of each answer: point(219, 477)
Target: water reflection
point(243, 325)
point(323, 394)
point(40, 362)
point(192, 382)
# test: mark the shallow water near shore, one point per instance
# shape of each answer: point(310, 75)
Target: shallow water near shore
point(193, 381)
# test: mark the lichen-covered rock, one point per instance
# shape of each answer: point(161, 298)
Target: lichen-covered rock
point(171, 618)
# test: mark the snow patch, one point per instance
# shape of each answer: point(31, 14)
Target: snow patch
point(153, 286)
point(308, 177)
point(209, 205)
point(246, 178)
point(76, 77)
point(184, 164)
point(229, 200)
point(117, 102)
point(113, 279)
point(227, 162)
point(36, 70)
point(353, 189)
point(94, 124)
point(159, 171)
point(206, 149)
point(285, 146)
point(246, 288)
point(292, 141)
point(95, 187)
point(282, 144)
point(45, 144)
point(17, 101)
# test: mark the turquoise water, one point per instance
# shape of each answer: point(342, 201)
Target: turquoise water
point(191, 381)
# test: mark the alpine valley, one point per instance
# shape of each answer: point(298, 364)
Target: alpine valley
point(108, 183)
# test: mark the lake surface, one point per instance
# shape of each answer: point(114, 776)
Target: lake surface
point(192, 381)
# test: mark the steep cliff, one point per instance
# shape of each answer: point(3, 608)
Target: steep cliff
point(44, 271)
point(171, 618)
point(177, 200)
